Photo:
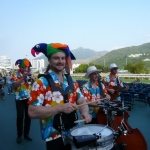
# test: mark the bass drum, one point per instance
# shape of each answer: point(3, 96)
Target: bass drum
point(82, 136)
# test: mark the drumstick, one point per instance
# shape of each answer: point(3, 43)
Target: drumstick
point(91, 102)
point(87, 104)
point(79, 121)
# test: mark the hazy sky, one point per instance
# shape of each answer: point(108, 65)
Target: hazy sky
point(95, 24)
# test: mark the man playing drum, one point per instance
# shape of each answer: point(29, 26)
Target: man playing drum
point(56, 94)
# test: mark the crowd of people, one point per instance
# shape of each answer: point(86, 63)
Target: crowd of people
point(55, 97)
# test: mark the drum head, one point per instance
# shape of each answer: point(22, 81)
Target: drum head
point(104, 135)
point(92, 129)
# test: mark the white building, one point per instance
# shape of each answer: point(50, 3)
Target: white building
point(75, 66)
point(5, 62)
point(37, 64)
point(136, 55)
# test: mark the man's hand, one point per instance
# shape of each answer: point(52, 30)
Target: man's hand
point(107, 97)
point(67, 108)
point(25, 75)
point(126, 87)
point(87, 117)
point(111, 91)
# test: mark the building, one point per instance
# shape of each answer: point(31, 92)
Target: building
point(5, 62)
point(37, 64)
point(74, 66)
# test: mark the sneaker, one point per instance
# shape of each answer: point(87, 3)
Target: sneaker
point(19, 139)
point(27, 137)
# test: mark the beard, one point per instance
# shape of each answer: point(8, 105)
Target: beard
point(57, 70)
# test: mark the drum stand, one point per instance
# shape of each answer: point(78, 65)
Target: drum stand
point(108, 106)
point(121, 127)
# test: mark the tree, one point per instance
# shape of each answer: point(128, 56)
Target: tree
point(138, 67)
point(82, 68)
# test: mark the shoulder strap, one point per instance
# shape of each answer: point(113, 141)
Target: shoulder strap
point(118, 82)
point(61, 90)
point(41, 75)
point(100, 86)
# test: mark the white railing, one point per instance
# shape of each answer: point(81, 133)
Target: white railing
point(141, 76)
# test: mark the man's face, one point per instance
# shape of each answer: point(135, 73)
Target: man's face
point(58, 61)
point(24, 69)
point(114, 70)
point(94, 76)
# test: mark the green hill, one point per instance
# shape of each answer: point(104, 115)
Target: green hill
point(83, 55)
point(121, 56)
point(105, 58)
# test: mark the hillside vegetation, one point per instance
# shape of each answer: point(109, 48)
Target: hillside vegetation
point(105, 58)
point(120, 56)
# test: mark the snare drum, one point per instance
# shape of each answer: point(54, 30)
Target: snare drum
point(104, 142)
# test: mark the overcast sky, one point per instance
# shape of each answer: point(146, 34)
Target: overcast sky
point(94, 24)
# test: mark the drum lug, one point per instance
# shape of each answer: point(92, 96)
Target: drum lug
point(119, 146)
point(113, 113)
point(116, 135)
point(98, 136)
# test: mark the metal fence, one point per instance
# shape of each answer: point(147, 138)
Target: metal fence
point(122, 75)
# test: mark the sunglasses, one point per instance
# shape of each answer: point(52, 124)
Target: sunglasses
point(114, 68)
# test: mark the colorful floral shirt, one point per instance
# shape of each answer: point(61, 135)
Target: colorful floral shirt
point(23, 91)
point(92, 94)
point(110, 82)
point(42, 95)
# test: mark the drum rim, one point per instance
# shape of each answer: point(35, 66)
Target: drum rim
point(113, 131)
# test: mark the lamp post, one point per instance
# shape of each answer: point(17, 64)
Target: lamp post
point(104, 62)
point(126, 60)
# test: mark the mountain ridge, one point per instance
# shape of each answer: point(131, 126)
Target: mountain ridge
point(105, 58)
point(83, 55)
point(121, 56)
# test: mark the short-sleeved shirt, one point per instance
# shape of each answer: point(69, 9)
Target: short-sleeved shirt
point(24, 90)
point(8, 77)
point(92, 94)
point(111, 81)
point(42, 95)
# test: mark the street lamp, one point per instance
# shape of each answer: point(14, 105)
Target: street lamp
point(104, 62)
point(126, 60)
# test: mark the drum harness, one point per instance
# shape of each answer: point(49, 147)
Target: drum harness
point(62, 121)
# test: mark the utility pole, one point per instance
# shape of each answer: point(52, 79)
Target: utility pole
point(104, 62)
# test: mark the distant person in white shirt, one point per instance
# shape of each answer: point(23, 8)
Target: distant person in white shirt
point(9, 83)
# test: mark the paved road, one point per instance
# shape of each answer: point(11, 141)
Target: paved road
point(139, 118)
point(8, 128)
